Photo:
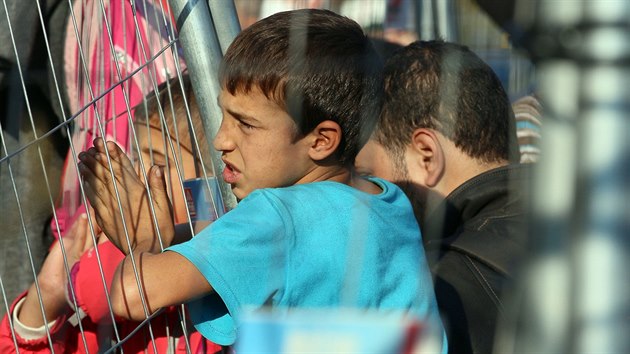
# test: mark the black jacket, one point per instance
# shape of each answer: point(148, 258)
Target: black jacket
point(475, 242)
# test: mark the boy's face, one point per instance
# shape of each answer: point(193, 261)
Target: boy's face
point(152, 143)
point(259, 144)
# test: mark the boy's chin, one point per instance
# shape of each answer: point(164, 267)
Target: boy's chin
point(239, 193)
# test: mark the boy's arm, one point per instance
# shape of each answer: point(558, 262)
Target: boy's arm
point(165, 278)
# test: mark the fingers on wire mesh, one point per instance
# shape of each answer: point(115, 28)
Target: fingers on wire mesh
point(96, 180)
point(95, 168)
point(99, 172)
point(96, 228)
point(116, 154)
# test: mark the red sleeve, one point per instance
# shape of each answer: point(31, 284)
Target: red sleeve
point(88, 283)
point(7, 344)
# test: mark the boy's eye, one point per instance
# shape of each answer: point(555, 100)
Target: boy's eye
point(245, 125)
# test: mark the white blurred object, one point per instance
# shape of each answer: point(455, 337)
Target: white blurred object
point(334, 331)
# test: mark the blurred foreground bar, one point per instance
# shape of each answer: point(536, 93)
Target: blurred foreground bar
point(575, 296)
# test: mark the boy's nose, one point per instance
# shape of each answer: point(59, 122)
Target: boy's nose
point(221, 141)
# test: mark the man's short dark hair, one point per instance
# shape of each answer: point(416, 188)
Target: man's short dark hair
point(448, 88)
point(317, 65)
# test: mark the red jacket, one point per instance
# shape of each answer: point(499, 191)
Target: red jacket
point(97, 325)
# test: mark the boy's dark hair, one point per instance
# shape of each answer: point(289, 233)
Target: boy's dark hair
point(317, 65)
point(448, 88)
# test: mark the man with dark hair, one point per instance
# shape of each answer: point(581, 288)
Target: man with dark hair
point(447, 137)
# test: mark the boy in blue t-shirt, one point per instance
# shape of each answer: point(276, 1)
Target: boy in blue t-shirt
point(300, 95)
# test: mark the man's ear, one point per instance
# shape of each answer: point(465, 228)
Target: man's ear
point(429, 155)
point(324, 140)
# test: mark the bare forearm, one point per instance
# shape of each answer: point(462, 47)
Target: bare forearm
point(127, 299)
point(54, 306)
point(156, 280)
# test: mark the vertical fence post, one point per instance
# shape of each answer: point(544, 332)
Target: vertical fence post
point(446, 20)
point(436, 19)
point(198, 37)
point(225, 19)
point(600, 244)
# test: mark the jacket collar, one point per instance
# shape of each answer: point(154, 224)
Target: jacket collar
point(488, 192)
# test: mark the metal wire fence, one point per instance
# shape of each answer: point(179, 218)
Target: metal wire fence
point(120, 73)
point(118, 58)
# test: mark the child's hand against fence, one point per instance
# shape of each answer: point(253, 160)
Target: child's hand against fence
point(136, 220)
point(78, 239)
point(52, 277)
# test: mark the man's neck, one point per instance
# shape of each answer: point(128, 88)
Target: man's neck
point(455, 175)
point(460, 168)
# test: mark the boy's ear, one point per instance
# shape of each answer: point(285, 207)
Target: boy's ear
point(428, 156)
point(324, 140)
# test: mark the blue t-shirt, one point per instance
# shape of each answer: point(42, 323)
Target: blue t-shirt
point(316, 245)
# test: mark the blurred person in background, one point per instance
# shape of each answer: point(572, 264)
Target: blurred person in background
point(528, 113)
point(447, 137)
